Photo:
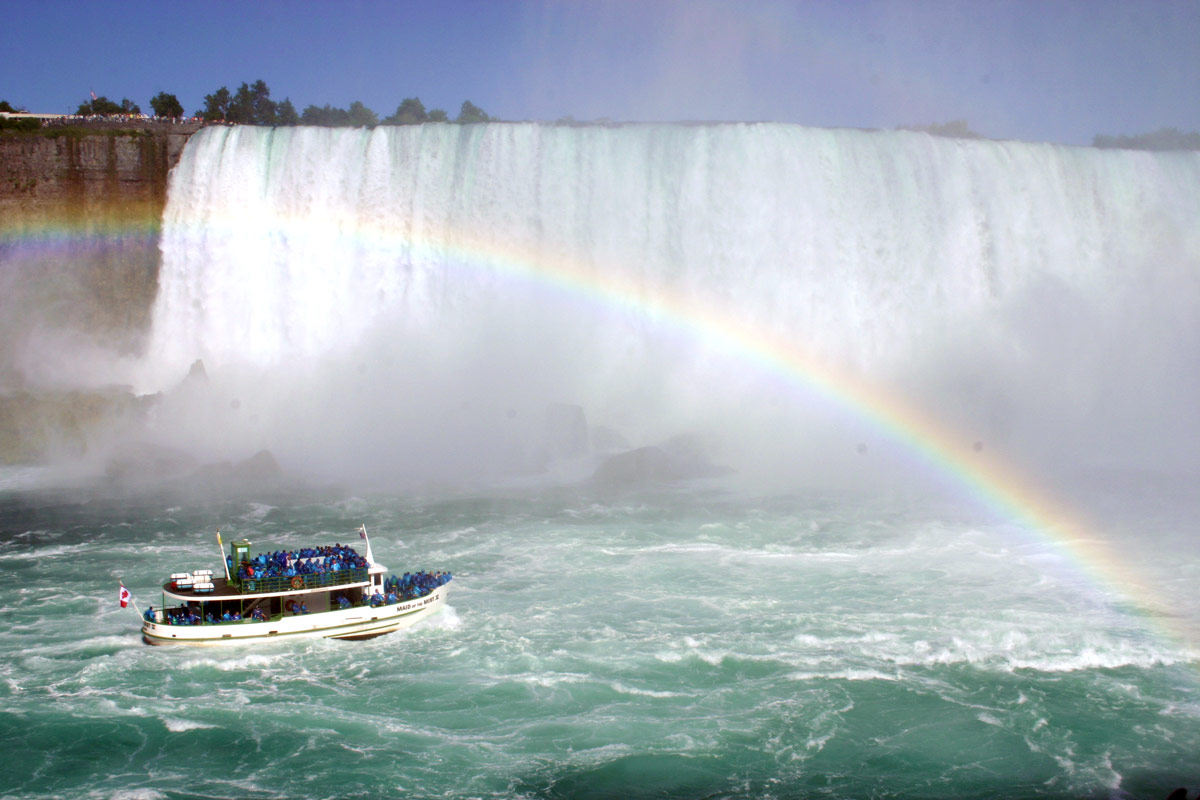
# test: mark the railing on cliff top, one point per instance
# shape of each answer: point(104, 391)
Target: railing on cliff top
point(317, 580)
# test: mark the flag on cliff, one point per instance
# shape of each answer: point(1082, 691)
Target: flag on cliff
point(125, 595)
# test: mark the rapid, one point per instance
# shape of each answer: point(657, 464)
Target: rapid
point(857, 355)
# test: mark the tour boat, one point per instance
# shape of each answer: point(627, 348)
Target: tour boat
point(324, 591)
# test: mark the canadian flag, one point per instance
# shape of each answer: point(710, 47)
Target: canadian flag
point(124, 596)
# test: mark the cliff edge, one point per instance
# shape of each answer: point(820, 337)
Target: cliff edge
point(80, 214)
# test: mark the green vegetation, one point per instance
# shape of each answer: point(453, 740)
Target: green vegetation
point(327, 116)
point(83, 131)
point(411, 111)
point(471, 113)
point(216, 106)
point(1162, 139)
point(23, 125)
point(358, 115)
point(166, 105)
point(954, 129)
point(252, 105)
point(285, 113)
point(102, 106)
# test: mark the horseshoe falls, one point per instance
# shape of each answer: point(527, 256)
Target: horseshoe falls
point(770, 462)
point(419, 296)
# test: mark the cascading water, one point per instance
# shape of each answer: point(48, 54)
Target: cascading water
point(410, 301)
point(432, 288)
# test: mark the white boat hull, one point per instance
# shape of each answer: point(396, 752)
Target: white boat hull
point(359, 622)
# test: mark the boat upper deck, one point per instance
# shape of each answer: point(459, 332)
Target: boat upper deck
point(200, 586)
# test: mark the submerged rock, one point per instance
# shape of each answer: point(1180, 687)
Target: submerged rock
point(680, 458)
point(640, 466)
point(259, 471)
point(197, 373)
point(37, 427)
point(142, 462)
point(566, 430)
point(141, 466)
point(608, 440)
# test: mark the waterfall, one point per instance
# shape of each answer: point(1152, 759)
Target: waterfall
point(363, 285)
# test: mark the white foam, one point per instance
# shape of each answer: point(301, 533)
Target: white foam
point(626, 689)
point(42, 553)
point(243, 661)
point(847, 675)
point(183, 725)
point(131, 794)
point(257, 512)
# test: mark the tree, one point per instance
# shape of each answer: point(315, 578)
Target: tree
point(286, 113)
point(252, 105)
point(327, 116)
point(471, 113)
point(1162, 139)
point(216, 105)
point(438, 115)
point(102, 106)
point(410, 112)
point(166, 105)
point(954, 129)
point(27, 124)
point(361, 116)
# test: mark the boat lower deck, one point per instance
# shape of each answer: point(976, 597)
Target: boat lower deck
point(355, 622)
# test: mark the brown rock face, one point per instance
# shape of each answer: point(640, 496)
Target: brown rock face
point(80, 213)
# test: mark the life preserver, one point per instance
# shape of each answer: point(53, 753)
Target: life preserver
point(297, 582)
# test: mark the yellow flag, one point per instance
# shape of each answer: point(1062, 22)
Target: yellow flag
point(219, 539)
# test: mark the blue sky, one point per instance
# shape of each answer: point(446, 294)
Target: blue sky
point(1058, 70)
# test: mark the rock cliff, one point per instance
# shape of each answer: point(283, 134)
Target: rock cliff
point(80, 210)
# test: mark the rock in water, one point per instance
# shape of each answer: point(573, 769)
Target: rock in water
point(566, 430)
point(638, 467)
point(680, 458)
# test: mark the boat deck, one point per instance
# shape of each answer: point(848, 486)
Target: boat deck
point(186, 587)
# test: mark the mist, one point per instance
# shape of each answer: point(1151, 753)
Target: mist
point(411, 304)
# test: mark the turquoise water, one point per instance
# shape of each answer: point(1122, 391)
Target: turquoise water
point(689, 643)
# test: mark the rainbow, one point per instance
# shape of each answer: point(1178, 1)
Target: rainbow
point(990, 481)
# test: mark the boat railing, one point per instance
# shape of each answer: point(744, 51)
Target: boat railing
point(315, 580)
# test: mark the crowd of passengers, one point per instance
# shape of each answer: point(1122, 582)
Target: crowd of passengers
point(409, 586)
point(305, 561)
point(187, 616)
